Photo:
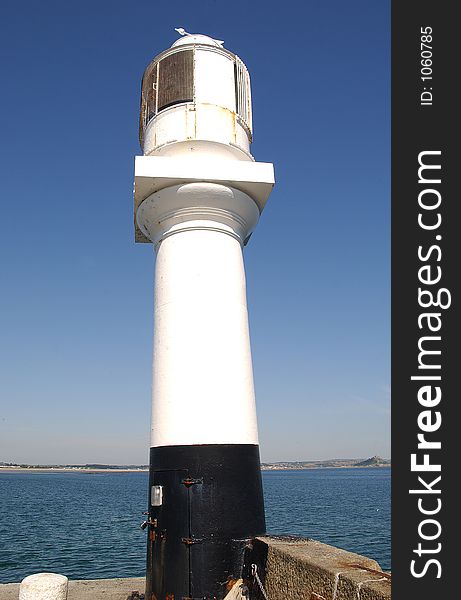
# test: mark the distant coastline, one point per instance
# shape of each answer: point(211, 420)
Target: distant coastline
point(344, 463)
point(336, 463)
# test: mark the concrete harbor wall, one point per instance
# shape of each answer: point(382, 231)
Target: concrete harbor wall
point(293, 568)
point(290, 568)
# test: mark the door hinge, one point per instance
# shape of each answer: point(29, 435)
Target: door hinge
point(152, 522)
point(190, 541)
point(188, 481)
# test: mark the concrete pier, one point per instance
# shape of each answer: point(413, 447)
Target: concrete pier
point(293, 568)
point(290, 568)
point(88, 589)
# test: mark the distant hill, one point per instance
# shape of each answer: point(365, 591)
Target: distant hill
point(334, 463)
point(374, 461)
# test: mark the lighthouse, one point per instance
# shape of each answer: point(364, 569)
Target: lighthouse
point(198, 197)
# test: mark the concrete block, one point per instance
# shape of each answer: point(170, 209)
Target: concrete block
point(43, 586)
point(299, 569)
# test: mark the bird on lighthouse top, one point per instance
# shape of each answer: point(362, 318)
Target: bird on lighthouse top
point(195, 38)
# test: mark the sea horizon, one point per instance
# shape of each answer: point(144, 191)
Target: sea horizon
point(374, 461)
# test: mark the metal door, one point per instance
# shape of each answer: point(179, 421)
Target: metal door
point(168, 552)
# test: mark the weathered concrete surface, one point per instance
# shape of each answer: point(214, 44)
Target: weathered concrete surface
point(44, 586)
point(302, 569)
point(91, 589)
point(290, 569)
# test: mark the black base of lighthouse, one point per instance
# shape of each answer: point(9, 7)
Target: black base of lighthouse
point(205, 505)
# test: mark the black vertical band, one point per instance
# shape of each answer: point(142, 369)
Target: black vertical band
point(211, 507)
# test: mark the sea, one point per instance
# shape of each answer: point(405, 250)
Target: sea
point(87, 525)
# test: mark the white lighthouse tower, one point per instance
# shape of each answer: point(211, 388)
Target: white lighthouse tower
point(198, 197)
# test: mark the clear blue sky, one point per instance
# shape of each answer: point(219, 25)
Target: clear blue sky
point(76, 292)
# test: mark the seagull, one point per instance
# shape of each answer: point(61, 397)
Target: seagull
point(182, 31)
